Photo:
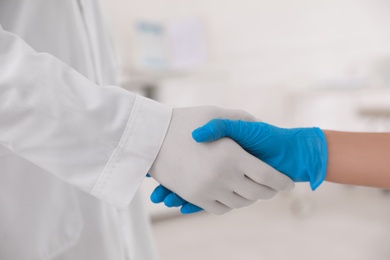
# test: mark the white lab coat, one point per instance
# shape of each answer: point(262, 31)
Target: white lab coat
point(74, 147)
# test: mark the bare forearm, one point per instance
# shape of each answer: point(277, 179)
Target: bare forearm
point(358, 158)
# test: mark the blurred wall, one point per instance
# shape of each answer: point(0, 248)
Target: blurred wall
point(258, 50)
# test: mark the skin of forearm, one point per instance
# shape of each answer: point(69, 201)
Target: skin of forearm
point(358, 158)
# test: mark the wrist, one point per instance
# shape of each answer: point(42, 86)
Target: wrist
point(320, 157)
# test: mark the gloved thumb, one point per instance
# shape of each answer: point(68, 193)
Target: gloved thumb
point(213, 130)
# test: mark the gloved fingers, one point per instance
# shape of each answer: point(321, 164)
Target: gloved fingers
point(173, 200)
point(159, 194)
point(264, 174)
point(235, 201)
point(189, 208)
point(254, 191)
point(148, 175)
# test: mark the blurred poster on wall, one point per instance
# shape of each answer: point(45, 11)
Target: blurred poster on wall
point(151, 45)
point(174, 45)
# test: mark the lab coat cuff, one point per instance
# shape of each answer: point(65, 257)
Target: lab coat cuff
point(138, 148)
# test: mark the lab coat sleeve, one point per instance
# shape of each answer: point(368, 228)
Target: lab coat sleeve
point(102, 140)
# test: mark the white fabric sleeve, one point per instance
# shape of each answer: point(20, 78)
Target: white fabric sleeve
point(102, 140)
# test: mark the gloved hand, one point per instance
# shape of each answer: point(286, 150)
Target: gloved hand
point(300, 153)
point(217, 176)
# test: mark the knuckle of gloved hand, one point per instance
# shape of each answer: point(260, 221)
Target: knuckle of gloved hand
point(263, 193)
point(289, 186)
point(220, 211)
point(247, 203)
point(245, 116)
point(214, 207)
point(238, 114)
point(269, 194)
point(224, 113)
point(211, 111)
point(239, 205)
point(251, 195)
point(259, 177)
point(283, 183)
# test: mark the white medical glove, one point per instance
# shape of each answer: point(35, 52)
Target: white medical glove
point(217, 176)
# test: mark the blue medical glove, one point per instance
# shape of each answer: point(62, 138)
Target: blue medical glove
point(300, 153)
point(171, 199)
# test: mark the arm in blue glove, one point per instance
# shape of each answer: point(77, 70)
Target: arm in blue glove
point(300, 153)
point(305, 155)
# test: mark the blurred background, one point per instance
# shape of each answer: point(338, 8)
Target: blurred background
point(293, 63)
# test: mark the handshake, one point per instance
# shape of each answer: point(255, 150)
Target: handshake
point(232, 160)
